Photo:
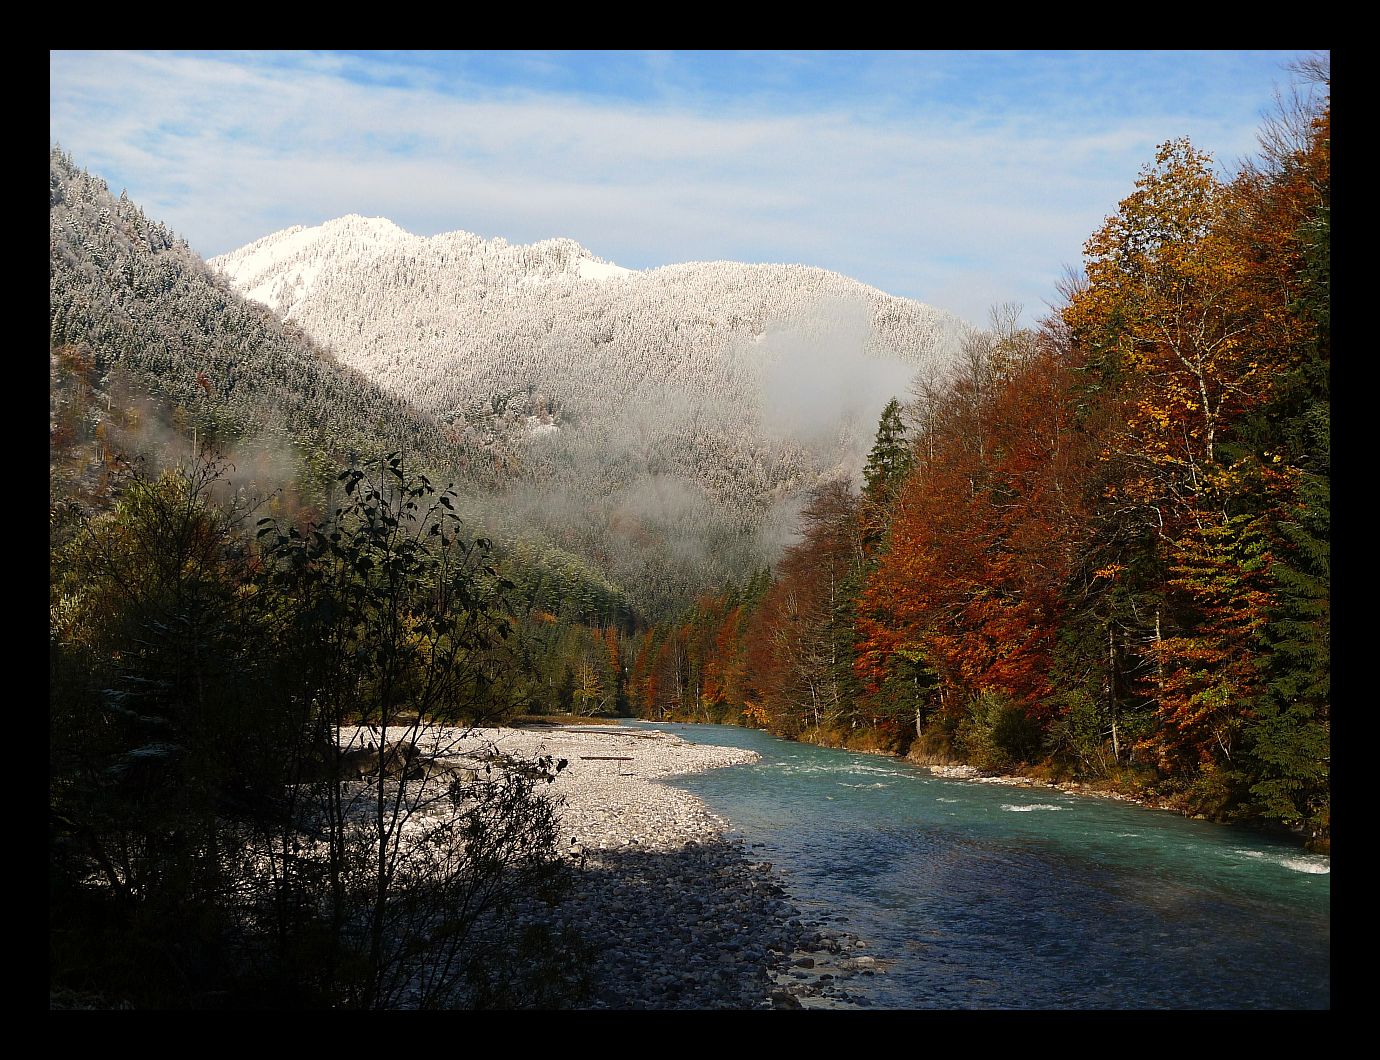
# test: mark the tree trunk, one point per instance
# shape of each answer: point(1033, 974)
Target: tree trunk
point(1111, 692)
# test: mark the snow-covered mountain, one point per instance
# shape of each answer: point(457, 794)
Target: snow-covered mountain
point(454, 321)
point(686, 397)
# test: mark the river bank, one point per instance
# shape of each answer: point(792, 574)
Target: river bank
point(981, 895)
point(949, 769)
point(670, 912)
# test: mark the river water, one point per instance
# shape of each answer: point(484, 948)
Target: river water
point(994, 896)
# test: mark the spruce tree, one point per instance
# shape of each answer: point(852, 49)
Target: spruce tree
point(890, 458)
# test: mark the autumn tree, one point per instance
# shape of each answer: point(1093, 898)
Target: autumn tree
point(965, 597)
point(798, 666)
point(1202, 339)
point(164, 745)
point(1287, 226)
point(1166, 323)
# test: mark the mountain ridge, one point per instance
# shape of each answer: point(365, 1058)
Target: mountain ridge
point(453, 320)
point(256, 268)
point(152, 313)
point(691, 405)
point(154, 357)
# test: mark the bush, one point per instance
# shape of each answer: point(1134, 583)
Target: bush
point(1076, 736)
point(211, 846)
point(997, 733)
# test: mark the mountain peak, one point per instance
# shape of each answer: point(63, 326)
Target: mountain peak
point(280, 270)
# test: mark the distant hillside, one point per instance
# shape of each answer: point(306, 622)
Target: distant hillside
point(458, 324)
point(151, 352)
point(651, 419)
point(153, 319)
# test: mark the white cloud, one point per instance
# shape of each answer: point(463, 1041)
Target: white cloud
point(955, 205)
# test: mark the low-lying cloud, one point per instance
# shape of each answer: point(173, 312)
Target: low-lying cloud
point(822, 390)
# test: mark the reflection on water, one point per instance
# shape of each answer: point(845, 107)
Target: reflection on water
point(990, 896)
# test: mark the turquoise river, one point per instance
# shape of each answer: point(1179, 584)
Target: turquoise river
point(994, 896)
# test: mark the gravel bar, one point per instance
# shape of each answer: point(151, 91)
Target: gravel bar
point(675, 914)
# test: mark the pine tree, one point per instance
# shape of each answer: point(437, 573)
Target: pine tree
point(890, 458)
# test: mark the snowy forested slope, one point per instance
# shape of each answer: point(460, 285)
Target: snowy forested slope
point(681, 410)
point(153, 319)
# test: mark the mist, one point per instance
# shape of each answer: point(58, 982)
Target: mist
point(823, 390)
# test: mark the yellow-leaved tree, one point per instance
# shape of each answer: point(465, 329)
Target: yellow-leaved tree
point(1175, 332)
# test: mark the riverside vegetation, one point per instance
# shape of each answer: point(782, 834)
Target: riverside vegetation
point(269, 789)
point(213, 843)
point(1097, 550)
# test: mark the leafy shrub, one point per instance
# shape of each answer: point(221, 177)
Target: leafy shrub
point(997, 733)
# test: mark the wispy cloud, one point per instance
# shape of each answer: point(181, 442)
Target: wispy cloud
point(960, 179)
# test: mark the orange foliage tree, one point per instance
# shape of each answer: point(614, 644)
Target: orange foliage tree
point(984, 534)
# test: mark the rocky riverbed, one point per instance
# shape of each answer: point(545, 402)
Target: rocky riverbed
point(671, 913)
point(1072, 787)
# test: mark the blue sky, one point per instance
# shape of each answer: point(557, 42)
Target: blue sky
point(963, 179)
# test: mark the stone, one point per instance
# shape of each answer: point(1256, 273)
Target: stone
point(784, 999)
point(674, 914)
